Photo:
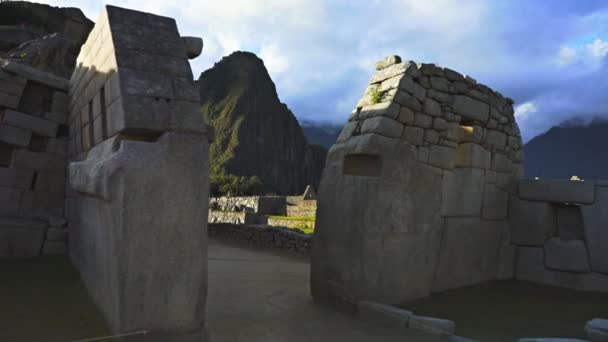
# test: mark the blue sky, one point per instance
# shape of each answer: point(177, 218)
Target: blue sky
point(550, 56)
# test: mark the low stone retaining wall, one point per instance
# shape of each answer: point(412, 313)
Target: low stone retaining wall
point(291, 223)
point(264, 236)
point(263, 205)
point(235, 217)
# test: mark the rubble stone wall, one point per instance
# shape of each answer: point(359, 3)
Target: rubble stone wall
point(262, 205)
point(414, 195)
point(33, 149)
point(264, 236)
point(560, 230)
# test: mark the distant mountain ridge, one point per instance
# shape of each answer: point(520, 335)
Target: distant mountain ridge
point(255, 133)
point(572, 148)
point(321, 133)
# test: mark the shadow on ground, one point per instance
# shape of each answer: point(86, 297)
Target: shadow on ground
point(509, 309)
point(43, 299)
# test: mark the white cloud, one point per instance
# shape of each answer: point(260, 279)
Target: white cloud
point(598, 49)
point(274, 60)
point(566, 55)
point(523, 110)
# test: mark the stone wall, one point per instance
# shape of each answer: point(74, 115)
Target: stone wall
point(264, 236)
point(560, 230)
point(291, 223)
point(414, 195)
point(263, 205)
point(33, 140)
point(235, 217)
point(297, 206)
point(138, 175)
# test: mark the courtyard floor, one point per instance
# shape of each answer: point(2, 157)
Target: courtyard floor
point(503, 311)
point(254, 295)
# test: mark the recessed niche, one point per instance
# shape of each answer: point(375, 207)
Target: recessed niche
point(569, 222)
point(368, 165)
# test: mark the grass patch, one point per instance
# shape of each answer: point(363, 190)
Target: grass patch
point(293, 218)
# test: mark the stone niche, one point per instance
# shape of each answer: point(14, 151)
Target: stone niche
point(138, 175)
point(414, 195)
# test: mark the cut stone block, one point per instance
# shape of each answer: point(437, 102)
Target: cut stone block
point(53, 163)
point(471, 108)
point(16, 178)
point(34, 74)
point(506, 253)
point(57, 146)
point(595, 219)
point(9, 100)
point(15, 136)
point(60, 103)
point(468, 253)
point(56, 234)
point(37, 125)
point(383, 126)
point(495, 203)
point(569, 256)
point(9, 201)
point(384, 315)
point(556, 190)
point(462, 192)
point(21, 237)
point(532, 223)
point(442, 156)
point(432, 325)
point(597, 330)
point(36, 204)
point(49, 182)
point(472, 155)
point(530, 266)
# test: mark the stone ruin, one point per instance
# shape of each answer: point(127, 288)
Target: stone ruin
point(136, 189)
point(422, 193)
point(414, 195)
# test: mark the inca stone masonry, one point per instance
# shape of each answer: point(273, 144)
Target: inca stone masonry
point(422, 191)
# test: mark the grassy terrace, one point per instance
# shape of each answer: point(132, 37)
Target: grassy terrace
point(295, 219)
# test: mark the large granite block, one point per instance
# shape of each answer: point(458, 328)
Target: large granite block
point(468, 254)
point(568, 256)
point(142, 258)
point(36, 75)
point(16, 178)
point(36, 204)
point(9, 201)
point(37, 125)
point(462, 192)
point(15, 136)
point(53, 163)
point(556, 190)
point(532, 223)
point(595, 220)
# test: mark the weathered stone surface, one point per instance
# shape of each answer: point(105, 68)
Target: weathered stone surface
point(569, 256)
point(501, 163)
point(120, 198)
point(495, 203)
point(597, 330)
point(383, 126)
point(431, 107)
point(496, 139)
point(15, 136)
point(36, 204)
point(595, 219)
point(557, 190)
point(21, 237)
point(471, 108)
point(384, 315)
point(53, 163)
point(9, 201)
point(464, 134)
point(472, 155)
point(530, 267)
point(468, 253)
point(462, 192)
point(56, 234)
point(193, 45)
point(442, 156)
point(34, 124)
point(431, 136)
point(34, 74)
point(9, 100)
point(362, 207)
point(16, 178)
point(570, 222)
point(414, 135)
point(432, 325)
point(532, 223)
point(388, 61)
point(347, 131)
point(506, 252)
point(387, 109)
point(406, 116)
point(423, 120)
